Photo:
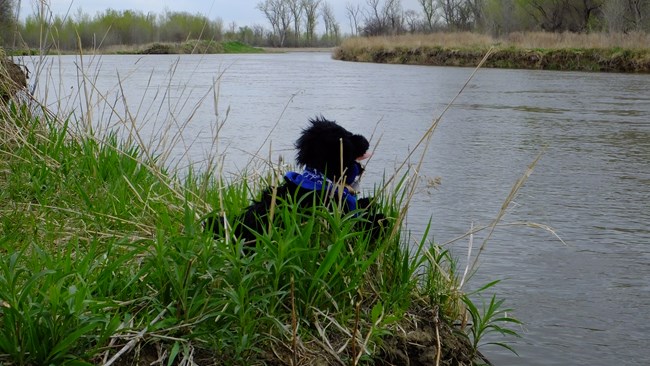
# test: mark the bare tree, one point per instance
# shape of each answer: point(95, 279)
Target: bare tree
point(6, 20)
point(277, 12)
point(457, 14)
point(413, 21)
point(374, 22)
point(429, 10)
point(475, 9)
point(332, 28)
point(296, 8)
point(393, 16)
point(639, 14)
point(328, 14)
point(353, 12)
point(311, 18)
point(614, 15)
point(563, 15)
point(386, 19)
point(627, 15)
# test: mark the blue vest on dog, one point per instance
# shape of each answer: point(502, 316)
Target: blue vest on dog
point(313, 180)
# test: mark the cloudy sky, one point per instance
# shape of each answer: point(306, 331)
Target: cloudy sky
point(242, 12)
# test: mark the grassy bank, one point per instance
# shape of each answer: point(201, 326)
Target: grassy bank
point(193, 47)
point(104, 260)
point(544, 51)
point(187, 47)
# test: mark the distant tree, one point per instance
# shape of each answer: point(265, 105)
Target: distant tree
point(374, 24)
point(505, 16)
point(6, 22)
point(563, 15)
point(640, 10)
point(311, 18)
point(615, 16)
point(393, 14)
point(296, 8)
point(231, 27)
point(413, 22)
point(353, 12)
point(277, 12)
point(6, 12)
point(429, 8)
point(244, 34)
point(182, 26)
point(627, 15)
point(475, 8)
point(458, 14)
point(383, 19)
point(331, 26)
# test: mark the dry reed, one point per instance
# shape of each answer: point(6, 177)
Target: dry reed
point(634, 40)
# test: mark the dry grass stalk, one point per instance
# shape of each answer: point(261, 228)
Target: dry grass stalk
point(294, 324)
point(425, 141)
point(135, 340)
point(634, 40)
point(504, 207)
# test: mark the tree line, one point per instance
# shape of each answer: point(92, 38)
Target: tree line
point(496, 17)
point(310, 23)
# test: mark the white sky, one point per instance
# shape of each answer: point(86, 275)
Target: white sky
point(242, 12)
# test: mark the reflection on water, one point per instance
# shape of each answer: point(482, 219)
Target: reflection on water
point(583, 303)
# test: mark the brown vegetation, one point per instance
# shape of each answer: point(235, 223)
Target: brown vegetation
point(421, 339)
point(637, 40)
point(547, 51)
point(12, 78)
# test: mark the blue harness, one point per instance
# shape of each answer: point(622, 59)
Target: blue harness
point(313, 180)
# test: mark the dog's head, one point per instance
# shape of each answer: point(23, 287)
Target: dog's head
point(324, 145)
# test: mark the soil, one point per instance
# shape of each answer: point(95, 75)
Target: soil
point(12, 78)
point(513, 58)
point(414, 344)
point(417, 344)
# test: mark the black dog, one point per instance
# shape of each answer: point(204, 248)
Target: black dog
point(330, 155)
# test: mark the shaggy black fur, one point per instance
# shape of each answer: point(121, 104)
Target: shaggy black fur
point(319, 149)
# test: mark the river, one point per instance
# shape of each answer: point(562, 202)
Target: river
point(583, 301)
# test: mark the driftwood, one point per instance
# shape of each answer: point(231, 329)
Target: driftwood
point(12, 79)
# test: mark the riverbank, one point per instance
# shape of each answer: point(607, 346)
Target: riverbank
point(542, 51)
point(159, 48)
point(104, 260)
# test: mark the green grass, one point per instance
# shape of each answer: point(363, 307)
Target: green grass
point(193, 47)
point(239, 47)
point(103, 258)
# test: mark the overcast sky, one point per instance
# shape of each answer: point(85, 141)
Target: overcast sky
point(242, 12)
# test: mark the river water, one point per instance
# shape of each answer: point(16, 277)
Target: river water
point(584, 300)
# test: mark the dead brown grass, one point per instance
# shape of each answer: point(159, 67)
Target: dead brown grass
point(636, 40)
point(457, 39)
point(12, 78)
point(519, 39)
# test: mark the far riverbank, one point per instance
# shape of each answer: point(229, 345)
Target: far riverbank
point(543, 51)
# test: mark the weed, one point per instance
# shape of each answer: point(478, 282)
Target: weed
point(492, 317)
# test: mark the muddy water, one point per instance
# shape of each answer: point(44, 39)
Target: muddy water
point(583, 302)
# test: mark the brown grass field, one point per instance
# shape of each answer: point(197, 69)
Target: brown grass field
point(544, 51)
point(544, 40)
